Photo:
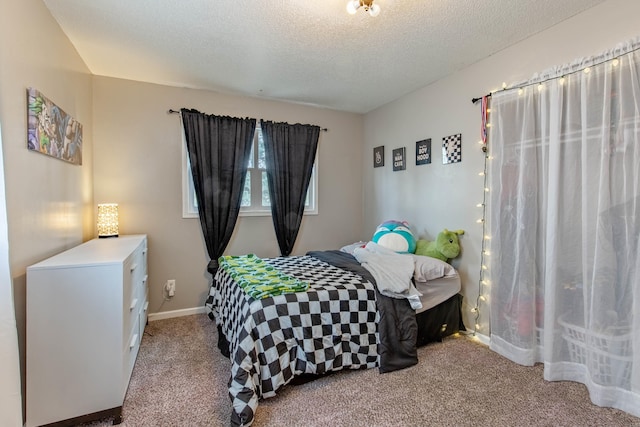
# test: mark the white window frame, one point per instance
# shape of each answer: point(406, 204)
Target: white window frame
point(190, 206)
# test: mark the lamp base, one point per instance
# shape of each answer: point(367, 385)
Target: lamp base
point(106, 237)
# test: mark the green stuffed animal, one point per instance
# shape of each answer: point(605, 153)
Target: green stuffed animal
point(445, 247)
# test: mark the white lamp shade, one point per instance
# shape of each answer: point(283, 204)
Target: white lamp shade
point(108, 220)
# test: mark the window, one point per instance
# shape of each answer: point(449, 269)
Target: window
point(255, 198)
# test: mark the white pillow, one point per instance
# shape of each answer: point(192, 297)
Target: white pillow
point(352, 247)
point(428, 268)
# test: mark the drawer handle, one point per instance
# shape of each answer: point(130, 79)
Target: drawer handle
point(133, 303)
point(146, 276)
point(146, 306)
point(134, 341)
point(144, 251)
point(133, 267)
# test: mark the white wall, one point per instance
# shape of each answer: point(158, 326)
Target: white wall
point(437, 196)
point(137, 164)
point(49, 201)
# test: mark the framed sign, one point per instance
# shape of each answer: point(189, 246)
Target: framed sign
point(399, 159)
point(378, 156)
point(452, 149)
point(423, 152)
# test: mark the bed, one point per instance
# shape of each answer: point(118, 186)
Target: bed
point(341, 321)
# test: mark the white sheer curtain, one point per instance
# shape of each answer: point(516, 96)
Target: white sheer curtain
point(10, 393)
point(564, 224)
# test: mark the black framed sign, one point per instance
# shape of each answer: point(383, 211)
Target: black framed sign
point(423, 152)
point(399, 159)
point(452, 149)
point(378, 156)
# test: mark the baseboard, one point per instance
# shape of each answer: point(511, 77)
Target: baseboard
point(175, 313)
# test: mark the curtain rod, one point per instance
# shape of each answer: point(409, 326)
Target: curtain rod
point(172, 111)
point(592, 62)
point(473, 100)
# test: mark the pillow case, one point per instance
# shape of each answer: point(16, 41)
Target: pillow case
point(352, 247)
point(428, 268)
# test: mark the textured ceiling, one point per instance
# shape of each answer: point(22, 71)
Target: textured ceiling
point(305, 51)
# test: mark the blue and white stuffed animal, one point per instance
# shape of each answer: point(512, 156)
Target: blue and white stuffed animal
point(395, 235)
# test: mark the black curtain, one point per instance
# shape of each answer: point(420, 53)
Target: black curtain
point(290, 151)
point(219, 149)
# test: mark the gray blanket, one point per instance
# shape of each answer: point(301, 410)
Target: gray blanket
point(397, 328)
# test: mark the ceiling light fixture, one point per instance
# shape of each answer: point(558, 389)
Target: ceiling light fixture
point(354, 5)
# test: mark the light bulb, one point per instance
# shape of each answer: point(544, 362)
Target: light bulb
point(374, 10)
point(352, 7)
point(615, 62)
point(586, 70)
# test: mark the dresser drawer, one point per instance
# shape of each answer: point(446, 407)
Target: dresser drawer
point(137, 270)
point(129, 355)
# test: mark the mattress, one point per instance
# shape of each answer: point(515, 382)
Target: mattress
point(438, 290)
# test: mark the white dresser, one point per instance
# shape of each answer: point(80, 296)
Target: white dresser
point(86, 312)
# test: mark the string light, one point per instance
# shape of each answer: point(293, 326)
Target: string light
point(562, 79)
point(482, 282)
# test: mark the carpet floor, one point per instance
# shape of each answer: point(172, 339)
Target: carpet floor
point(180, 379)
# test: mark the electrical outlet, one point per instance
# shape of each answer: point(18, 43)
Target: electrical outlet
point(170, 287)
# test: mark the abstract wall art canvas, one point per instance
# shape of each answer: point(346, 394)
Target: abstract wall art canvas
point(51, 131)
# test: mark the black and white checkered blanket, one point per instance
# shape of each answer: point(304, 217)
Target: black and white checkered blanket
point(330, 327)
